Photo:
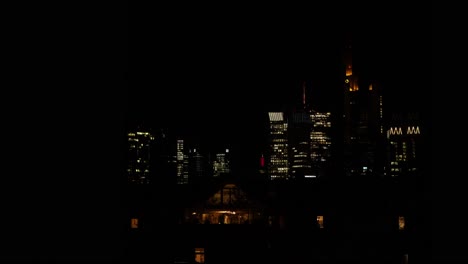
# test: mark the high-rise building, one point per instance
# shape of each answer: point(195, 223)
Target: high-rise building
point(162, 170)
point(299, 140)
point(221, 165)
point(403, 142)
point(138, 170)
point(320, 142)
point(363, 129)
point(181, 163)
point(278, 166)
point(197, 165)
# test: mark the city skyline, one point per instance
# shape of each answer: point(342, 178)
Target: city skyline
point(226, 104)
point(318, 151)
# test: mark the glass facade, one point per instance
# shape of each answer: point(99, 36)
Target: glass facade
point(279, 165)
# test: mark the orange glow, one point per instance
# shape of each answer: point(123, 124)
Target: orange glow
point(349, 70)
point(401, 223)
point(199, 255)
point(370, 87)
point(320, 221)
point(134, 223)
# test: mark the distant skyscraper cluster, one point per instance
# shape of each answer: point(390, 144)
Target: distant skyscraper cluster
point(300, 142)
point(299, 145)
point(154, 157)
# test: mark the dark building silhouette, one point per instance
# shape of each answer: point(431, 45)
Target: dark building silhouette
point(363, 122)
point(162, 159)
point(198, 166)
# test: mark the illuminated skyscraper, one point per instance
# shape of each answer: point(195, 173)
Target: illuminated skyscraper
point(363, 130)
point(278, 166)
point(139, 157)
point(320, 142)
point(299, 140)
point(181, 163)
point(222, 164)
point(403, 135)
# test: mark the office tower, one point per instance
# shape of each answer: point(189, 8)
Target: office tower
point(403, 141)
point(197, 165)
point(278, 166)
point(299, 140)
point(221, 165)
point(162, 170)
point(181, 163)
point(320, 142)
point(139, 156)
point(363, 130)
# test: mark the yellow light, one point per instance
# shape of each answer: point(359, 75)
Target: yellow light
point(401, 223)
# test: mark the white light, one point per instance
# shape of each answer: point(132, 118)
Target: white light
point(227, 150)
point(310, 176)
point(276, 116)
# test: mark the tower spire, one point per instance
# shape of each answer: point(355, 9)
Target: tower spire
point(304, 94)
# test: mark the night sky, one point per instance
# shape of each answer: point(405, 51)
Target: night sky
point(213, 76)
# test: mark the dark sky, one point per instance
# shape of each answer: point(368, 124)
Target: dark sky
point(214, 75)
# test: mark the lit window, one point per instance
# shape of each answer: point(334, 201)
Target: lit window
point(134, 223)
point(199, 255)
point(401, 223)
point(320, 221)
